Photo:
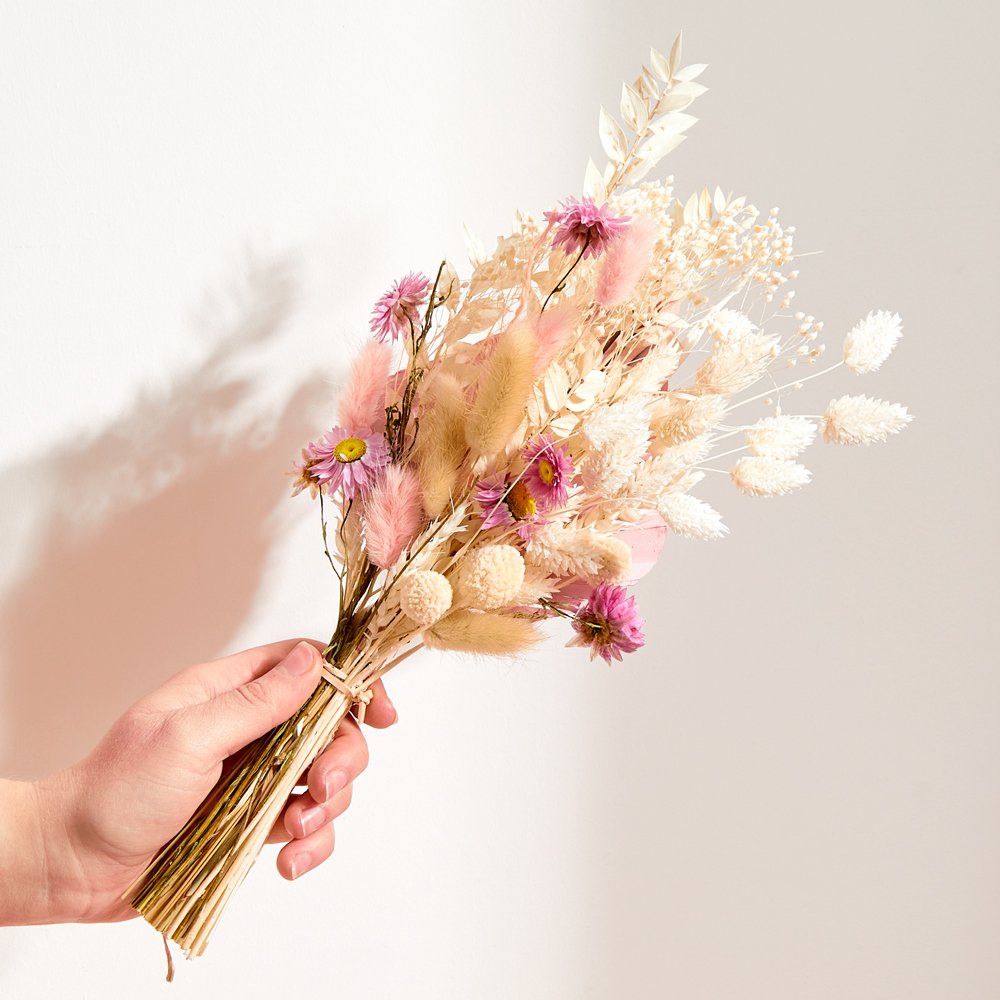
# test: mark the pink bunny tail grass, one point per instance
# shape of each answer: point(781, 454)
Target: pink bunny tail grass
point(393, 514)
point(553, 330)
point(625, 261)
point(362, 405)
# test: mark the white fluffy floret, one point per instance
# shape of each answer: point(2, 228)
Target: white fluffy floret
point(490, 576)
point(425, 596)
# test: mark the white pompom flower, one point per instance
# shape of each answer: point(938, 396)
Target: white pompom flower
point(490, 577)
point(425, 596)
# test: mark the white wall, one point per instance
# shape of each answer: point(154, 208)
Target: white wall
point(798, 802)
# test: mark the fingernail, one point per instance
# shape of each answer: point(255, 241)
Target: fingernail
point(300, 660)
point(299, 865)
point(334, 782)
point(395, 714)
point(312, 819)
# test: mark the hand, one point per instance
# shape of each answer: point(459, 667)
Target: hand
point(74, 842)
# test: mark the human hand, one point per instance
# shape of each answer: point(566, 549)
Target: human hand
point(96, 825)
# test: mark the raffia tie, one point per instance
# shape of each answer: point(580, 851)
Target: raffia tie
point(358, 693)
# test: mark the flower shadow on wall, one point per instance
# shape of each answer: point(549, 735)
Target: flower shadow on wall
point(139, 550)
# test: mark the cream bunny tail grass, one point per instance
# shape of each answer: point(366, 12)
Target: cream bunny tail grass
point(503, 391)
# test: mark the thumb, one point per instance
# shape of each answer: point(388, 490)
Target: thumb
point(237, 717)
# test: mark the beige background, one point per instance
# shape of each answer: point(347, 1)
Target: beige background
point(792, 791)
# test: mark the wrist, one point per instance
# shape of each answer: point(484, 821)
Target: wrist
point(41, 880)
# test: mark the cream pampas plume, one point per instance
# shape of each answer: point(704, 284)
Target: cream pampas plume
point(872, 341)
point(768, 477)
point(490, 576)
point(780, 437)
point(392, 514)
point(693, 518)
point(424, 596)
point(625, 261)
point(362, 403)
point(503, 390)
point(478, 632)
point(441, 440)
point(862, 420)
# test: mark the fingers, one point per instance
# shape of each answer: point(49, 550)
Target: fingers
point(230, 721)
point(340, 763)
point(380, 713)
point(303, 815)
point(301, 856)
point(208, 680)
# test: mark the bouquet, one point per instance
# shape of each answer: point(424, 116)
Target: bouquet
point(517, 445)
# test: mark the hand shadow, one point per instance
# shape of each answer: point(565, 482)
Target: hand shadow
point(141, 549)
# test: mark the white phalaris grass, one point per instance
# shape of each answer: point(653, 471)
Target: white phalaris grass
point(871, 341)
point(690, 517)
point(618, 436)
point(768, 477)
point(782, 436)
point(680, 417)
point(862, 420)
point(425, 596)
point(490, 576)
point(583, 552)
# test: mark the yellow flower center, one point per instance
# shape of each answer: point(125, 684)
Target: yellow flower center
point(520, 502)
point(350, 450)
point(546, 471)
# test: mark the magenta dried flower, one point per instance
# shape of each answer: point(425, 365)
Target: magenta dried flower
point(583, 225)
point(609, 623)
point(549, 472)
point(397, 313)
point(342, 460)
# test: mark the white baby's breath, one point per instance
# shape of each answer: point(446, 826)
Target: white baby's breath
point(871, 341)
point(862, 420)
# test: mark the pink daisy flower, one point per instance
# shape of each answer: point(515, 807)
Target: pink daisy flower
point(582, 224)
point(609, 622)
point(342, 460)
point(398, 311)
point(549, 472)
point(502, 504)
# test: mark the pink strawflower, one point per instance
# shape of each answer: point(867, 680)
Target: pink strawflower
point(398, 311)
point(305, 479)
point(502, 504)
point(582, 224)
point(548, 474)
point(343, 460)
point(609, 623)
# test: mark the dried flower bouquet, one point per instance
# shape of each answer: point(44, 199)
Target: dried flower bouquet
point(516, 446)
